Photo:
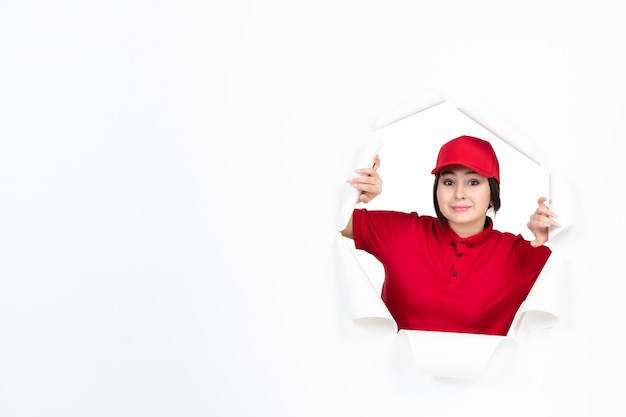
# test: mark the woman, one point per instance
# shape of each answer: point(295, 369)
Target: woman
point(452, 272)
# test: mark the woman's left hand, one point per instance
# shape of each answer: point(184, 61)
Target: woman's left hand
point(540, 222)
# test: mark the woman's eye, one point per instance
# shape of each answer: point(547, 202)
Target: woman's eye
point(447, 182)
point(473, 182)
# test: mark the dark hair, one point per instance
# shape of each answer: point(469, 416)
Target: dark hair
point(494, 187)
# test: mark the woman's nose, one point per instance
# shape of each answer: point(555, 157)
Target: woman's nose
point(458, 192)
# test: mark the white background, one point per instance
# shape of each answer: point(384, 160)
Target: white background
point(168, 182)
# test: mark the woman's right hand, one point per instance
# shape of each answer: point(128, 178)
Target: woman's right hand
point(541, 221)
point(369, 183)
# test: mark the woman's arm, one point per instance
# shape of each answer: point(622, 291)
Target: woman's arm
point(369, 184)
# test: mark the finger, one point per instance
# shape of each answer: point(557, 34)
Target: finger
point(376, 162)
point(544, 208)
point(366, 180)
point(370, 170)
point(541, 201)
point(544, 212)
point(542, 222)
point(367, 171)
point(544, 205)
point(367, 188)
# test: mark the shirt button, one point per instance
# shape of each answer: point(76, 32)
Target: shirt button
point(454, 274)
point(459, 255)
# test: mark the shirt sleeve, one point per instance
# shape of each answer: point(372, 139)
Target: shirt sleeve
point(375, 231)
point(531, 261)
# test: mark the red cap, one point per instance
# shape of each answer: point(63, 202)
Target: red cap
point(471, 152)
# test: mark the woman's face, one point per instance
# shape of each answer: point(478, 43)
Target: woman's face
point(464, 197)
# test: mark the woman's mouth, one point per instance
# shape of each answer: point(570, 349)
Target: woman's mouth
point(460, 208)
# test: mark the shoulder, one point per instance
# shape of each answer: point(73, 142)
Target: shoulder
point(520, 246)
point(378, 231)
point(393, 216)
point(391, 223)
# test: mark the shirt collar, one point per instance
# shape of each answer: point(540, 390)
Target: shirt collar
point(451, 238)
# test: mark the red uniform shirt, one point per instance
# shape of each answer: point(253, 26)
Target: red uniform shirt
point(436, 280)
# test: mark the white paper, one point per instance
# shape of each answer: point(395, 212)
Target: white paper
point(426, 100)
point(357, 294)
point(501, 129)
point(562, 203)
point(542, 307)
point(449, 354)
